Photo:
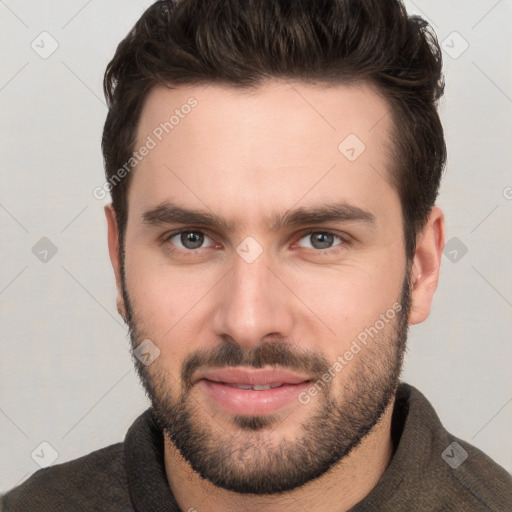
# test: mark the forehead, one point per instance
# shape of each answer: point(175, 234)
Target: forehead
point(330, 110)
point(217, 147)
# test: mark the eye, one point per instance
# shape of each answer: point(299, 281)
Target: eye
point(190, 240)
point(322, 241)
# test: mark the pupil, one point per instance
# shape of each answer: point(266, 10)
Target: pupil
point(325, 240)
point(192, 240)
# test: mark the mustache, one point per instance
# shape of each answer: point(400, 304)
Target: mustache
point(277, 354)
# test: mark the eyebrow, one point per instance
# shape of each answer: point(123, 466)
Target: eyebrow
point(169, 213)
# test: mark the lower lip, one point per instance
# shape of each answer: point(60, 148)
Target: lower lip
point(251, 402)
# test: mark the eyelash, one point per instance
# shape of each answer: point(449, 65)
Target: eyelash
point(345, 241)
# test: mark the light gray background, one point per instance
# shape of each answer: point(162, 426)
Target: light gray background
point(66, 376)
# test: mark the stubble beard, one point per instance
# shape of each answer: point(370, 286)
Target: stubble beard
point(247, 456)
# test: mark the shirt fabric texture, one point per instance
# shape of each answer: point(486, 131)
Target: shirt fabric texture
point(427, 473)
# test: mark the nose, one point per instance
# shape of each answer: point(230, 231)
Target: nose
point(253, 303)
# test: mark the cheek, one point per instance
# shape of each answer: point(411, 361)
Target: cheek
point(330, 304)
point(162, 292)
point(164, 301)
point(349, 299)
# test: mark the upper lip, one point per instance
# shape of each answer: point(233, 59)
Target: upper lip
point(250, 376)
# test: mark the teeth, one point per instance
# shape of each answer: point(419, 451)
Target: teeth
point(255, 387)
point(259, 388)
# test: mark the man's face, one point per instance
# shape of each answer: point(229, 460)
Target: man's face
point(262, 301)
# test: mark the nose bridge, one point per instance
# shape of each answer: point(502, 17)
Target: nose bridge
point(252, 302)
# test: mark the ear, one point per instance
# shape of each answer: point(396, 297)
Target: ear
point(425, 267)
point(113, 249)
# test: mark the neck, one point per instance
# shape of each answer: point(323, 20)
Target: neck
point(338, 490)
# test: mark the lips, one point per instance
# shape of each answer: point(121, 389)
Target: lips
point(254, 387)
point(252, 376)
point(246, 391)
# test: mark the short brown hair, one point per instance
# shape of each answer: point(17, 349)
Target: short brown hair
point(244, 42)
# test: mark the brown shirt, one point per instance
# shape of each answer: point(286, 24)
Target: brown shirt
point(431, 470)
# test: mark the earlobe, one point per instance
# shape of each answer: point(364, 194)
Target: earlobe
point(113, 249)
point(426, 265)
